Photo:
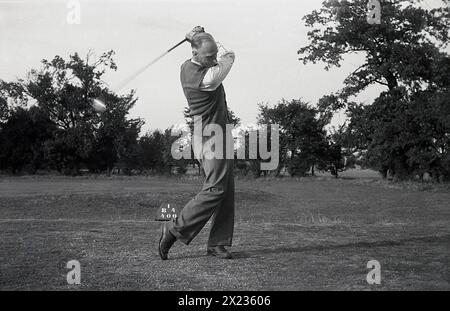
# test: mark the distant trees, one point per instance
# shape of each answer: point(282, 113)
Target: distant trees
point(154, 155)
point(304, 142)
point(151, 146)
point(406, 129)
point(407, 135)
point(22, 139)
point(47, 121)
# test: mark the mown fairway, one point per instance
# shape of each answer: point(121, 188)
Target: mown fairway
point(305, 234)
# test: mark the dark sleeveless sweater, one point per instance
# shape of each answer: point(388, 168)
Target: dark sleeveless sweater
point(211, 105)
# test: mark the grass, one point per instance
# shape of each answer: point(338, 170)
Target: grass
point(290, 234)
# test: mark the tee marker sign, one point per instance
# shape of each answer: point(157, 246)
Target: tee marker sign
point(167, 212)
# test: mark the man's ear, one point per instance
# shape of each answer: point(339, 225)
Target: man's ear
point(194, 53)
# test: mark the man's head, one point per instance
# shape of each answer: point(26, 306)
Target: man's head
point(204, 49)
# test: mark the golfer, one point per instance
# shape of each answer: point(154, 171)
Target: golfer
point(201, 79)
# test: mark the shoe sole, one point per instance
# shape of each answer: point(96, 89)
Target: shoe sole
point(214, 254)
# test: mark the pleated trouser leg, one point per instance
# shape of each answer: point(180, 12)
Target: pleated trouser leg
point(216, 200)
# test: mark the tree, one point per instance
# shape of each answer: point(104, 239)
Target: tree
point(155, 152)
point(407, 137)
point(3, 109)
point(405, 53)
point(338, 156)
point(250, 161)
point(22, 138)
point(302, 135)
point(403, 50)
point(151, 147)
point(61, 90)
point(116, 136)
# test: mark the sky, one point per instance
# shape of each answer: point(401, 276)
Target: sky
point(265, 36)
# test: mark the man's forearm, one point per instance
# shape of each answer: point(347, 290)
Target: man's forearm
point(215, 75)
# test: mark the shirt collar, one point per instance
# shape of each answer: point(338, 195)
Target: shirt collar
point(195, 62)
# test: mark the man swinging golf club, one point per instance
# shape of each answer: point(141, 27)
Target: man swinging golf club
point(201, 79)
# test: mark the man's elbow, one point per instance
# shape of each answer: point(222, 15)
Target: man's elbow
point(231, 55)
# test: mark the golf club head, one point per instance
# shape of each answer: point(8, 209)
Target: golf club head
point(97, 105)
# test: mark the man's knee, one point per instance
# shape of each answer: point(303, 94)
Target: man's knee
point(216, 191)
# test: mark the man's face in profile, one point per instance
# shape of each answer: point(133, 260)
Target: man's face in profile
point(206, 54)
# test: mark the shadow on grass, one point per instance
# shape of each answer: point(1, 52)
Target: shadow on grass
point(280, 250)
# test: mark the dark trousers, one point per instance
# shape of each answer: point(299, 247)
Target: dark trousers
point(215, 201)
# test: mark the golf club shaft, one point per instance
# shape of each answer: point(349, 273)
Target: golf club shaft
point(137, 73)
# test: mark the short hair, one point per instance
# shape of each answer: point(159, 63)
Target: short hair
point(198, 39)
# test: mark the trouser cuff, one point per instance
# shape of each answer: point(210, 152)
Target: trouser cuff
point(227, 242)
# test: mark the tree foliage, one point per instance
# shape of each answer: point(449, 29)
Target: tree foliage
point(303, 138)
point(405, 49)
point(59, 93)
point(406, 129)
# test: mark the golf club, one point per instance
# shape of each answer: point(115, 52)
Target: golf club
point(99, 106)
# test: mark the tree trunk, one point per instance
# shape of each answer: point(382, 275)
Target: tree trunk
point(391, 80)
point(400, 169)
point(384, 172)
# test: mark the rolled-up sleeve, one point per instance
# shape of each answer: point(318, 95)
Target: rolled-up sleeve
point(215, 75)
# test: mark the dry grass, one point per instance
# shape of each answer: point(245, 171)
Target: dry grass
point(309, 233)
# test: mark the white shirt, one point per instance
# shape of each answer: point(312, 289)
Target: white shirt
point(216, 74)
